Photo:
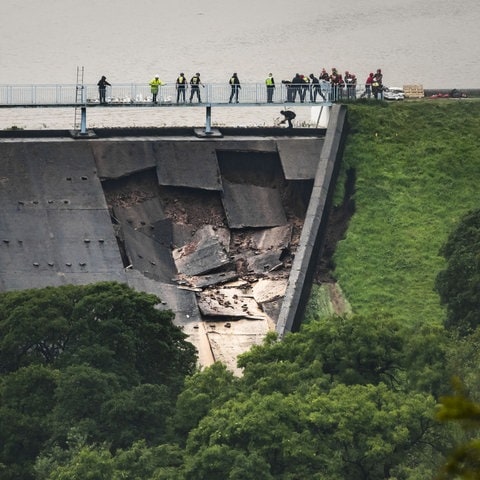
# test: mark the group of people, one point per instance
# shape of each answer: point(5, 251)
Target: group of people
point(181, 87)
point(333, 86)
point(195, 83)
point(337, 85)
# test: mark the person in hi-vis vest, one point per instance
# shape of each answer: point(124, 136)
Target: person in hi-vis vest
point(154, 87)
point(181, 86)
point(270, 83)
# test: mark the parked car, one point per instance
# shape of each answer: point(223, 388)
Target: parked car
point(393, 93)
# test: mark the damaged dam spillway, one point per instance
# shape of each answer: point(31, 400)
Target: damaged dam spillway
point(212, 226)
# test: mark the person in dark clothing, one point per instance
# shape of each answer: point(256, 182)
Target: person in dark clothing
point(289, 116)
point(324, 75)
point(377, 85)
point(296, 86)
point(304, 88)
point(235, 85)
point(315, 88)
point(351, 83)
point(288, 90)
point(195, 83)
point(102, 88)
point(181, 86)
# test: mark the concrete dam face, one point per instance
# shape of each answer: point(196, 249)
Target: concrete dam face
point(212, 226)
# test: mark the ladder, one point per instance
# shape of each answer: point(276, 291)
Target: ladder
point(79, 96)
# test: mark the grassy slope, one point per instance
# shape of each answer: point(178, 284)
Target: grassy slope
point(418, 171)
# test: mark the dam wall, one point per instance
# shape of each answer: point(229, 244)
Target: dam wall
point(213, 226)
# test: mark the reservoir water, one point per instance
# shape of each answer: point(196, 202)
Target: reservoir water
point(435, 43)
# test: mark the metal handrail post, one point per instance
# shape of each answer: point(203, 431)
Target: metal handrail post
point(208, 120)
point(83, 120)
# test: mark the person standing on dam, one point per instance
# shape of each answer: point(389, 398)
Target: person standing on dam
point(270, 83)
point(195, 83)
point(368, 86)
point(102, 88)
point(315, 88)
point(235, 85)
point(181, 86)
point(155, 85)
point(377, 85)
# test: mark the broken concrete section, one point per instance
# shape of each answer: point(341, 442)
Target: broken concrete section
point(260, 263)
point(206, 252)
point(272, 238)
point(249, 205)
point(202, 281)
point(229, 303)
point(139, 214)
point(148, 257)
point(266, 290)
point(209, 225)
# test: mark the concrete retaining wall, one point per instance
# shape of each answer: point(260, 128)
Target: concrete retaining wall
point(314, 227)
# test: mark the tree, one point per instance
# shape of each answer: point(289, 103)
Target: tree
point(464, 460)
point(89, 463)
point(203, 391)
point(348, 349)
point(106, 325)
point(138, 413)
point(26, 401)
point(80, 399)
point(99, 359)
point(362, 431)
point(35, 326)
point(459, 284)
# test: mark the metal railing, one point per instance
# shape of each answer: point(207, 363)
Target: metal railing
point(139, 94)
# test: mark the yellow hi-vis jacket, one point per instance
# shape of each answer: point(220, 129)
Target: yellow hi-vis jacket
point(154, 84)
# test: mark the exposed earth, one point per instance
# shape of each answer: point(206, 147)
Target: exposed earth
point(196, 208)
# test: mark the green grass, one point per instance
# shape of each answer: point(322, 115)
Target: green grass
point(417, 170)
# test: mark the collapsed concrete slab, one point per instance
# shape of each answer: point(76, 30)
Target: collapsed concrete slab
point(272, 238)
point(249, 205)
point(148, 256)
point(140, 214)
point(207, 252)
point(202, 281)
point(268, 290)
point(169, 234)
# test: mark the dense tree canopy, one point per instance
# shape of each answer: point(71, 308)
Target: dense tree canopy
point(324, 403)
point(346, 397)
point(100, 359)
point(459, 284)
